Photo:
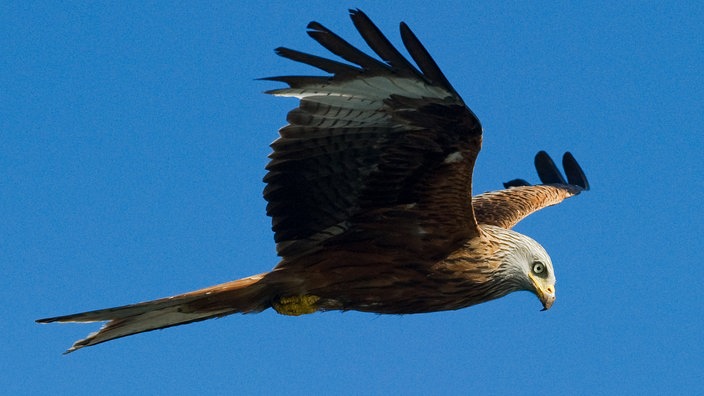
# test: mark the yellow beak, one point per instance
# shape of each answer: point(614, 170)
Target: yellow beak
point(546, 294)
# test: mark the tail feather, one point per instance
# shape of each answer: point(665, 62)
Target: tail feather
point(243, 295)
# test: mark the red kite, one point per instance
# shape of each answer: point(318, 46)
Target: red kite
point(369, 191)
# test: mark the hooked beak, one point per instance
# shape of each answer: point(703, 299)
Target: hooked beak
point(545, 294)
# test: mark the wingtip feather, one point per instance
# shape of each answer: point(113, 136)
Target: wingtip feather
point(574, 172)
point(547, 170)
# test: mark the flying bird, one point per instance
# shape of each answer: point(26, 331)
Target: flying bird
point(369, 188)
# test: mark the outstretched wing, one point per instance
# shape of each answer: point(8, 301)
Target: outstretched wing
point(378, 151)
point(505, 208)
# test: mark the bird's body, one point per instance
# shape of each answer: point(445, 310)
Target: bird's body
point(403, 286)
point(369, 190)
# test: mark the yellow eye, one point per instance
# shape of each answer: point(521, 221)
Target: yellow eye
point(538, 267)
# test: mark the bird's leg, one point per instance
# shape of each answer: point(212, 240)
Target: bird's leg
point(296, 305)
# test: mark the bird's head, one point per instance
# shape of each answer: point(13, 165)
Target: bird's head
point(526, 265)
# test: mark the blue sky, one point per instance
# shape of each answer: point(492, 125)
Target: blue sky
point(133, 143)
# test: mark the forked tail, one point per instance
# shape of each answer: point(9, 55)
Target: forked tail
point(243, 295)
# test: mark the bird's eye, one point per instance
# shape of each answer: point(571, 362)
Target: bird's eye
point(538, 267)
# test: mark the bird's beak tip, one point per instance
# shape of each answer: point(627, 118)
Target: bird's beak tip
point(547, 299)
point(545, 294)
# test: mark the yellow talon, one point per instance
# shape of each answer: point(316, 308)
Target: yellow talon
point(296, 305)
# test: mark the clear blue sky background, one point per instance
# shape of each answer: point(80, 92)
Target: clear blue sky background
point(133, 140)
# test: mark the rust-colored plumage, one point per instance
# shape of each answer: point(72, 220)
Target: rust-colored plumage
point(369, 191)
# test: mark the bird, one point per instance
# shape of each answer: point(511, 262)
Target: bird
point(369, 190)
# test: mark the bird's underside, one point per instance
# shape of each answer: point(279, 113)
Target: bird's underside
point(369, 191)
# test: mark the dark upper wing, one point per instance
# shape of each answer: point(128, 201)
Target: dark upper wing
point(377, 151)
point(505, 208)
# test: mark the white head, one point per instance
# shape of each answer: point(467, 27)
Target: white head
point(525, 265)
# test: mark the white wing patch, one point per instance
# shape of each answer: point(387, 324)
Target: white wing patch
point(373, 89)
point(453, 158)
point(359, 102)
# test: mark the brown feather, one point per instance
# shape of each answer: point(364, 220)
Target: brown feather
point(380, 153)
point(505, 208)
point(245, 295)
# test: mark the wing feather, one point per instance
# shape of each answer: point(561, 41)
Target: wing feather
point(547, 170)
point(574, 172)
point(505, 208)
point(377, 151)
point(381, 45)
point(321, 63)
point(338, 46)
point(422, 57)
